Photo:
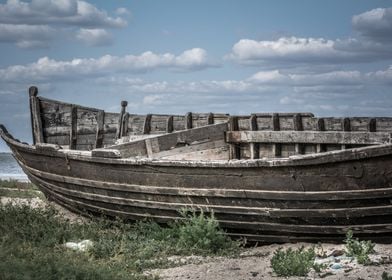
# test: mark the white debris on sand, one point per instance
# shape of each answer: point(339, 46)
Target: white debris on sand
point(80, 246)
point(254, 264)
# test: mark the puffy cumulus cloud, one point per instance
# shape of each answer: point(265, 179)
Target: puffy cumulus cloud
point(375, 24)
point(46, 68)
point(58, 15)
point(122, 11)
point(312, 79)
point(26, 36)
point(373, 44)
point(65, 12)
point(296, 51)
point(94, 37)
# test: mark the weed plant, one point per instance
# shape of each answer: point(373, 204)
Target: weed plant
point(358, 249)
point(385, 276)
point(291, 262)
point(31, 245)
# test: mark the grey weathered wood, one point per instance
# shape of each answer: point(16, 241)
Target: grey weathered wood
point(105, 153)
point(297, 119)
point(169, 124)
point(210, 118)
point(157, 144)
point(188, 120)
point(254, 147)
point(346, 127)
point(147, 124)
point(372, 127)
point(73, 133)
point(310, 137)
point(276, 148)
point(35, 112)
point(320, 127)
point(124, 125)
point(235, 152)
point(124, 105)
point(100, 129)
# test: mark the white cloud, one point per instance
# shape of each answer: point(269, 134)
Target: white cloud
point(66, 12)
point(43, 19)
point(375, 24)
point(26, 36)
point(94, 37)
point(122, 11)
point(304, 51)
point(46, 68)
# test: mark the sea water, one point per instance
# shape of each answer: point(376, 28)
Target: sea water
point(9, 169)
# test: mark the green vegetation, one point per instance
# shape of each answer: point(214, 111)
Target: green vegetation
point(294, 262)
point(31, 245)
point(14, 188)
point(358, 249)
point(385, 276)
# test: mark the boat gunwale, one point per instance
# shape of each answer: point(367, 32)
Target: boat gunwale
point(335, 156)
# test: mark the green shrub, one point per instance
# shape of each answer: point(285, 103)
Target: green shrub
point(386, 276)
point(358, 249)
point(294, 262)
point(31, 245)
point(201, 234)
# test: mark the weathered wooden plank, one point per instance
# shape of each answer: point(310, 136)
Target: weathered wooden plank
point(310, 137)
point(124, 104)
point(346, 127)
point(74, 128)
point(297, 119)
point(254, 147)
point(372, 127)
point(147, 124)
point(188, 120)
point(210, 118)
point(124, 125)
point(345, 195)
point(169, 124)
point(320, 148)
point(235, 152)
point(100, 129)
point(276, 148)
point(174, 140)
point(35, 113)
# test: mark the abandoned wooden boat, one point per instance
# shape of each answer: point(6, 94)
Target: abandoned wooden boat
point(267, 177)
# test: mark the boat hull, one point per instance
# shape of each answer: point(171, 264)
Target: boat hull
point(309, 198)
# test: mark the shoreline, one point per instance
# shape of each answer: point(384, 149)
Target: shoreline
point(15, 177)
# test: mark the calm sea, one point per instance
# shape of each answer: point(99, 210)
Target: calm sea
point(9, 169)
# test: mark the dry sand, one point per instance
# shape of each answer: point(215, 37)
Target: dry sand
point(252, 264)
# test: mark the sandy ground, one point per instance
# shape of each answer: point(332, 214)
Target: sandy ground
point(251, 264)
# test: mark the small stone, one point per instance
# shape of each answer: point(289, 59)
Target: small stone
point(254, 273)
point(336, 266)
point(336, 253)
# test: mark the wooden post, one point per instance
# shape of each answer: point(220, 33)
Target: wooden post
point(210, 118)
point(320, 148)
point(147, 124)
point(346, 127)
point(35, 114)
point(124, 105)
point(235, 152)
point(299, 148)
point(372, 127)
point(100, 132)
point(276, 148)
point(124, 125)
point(169, 124)
point(254, 147)
point(188, 120)
point(74, 128)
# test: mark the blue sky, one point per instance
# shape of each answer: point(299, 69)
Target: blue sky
point(332, 58)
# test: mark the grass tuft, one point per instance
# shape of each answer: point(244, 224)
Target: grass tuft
point(358, 249)
point(31, 245)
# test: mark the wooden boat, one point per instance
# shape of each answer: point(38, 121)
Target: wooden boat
point(267, 177)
